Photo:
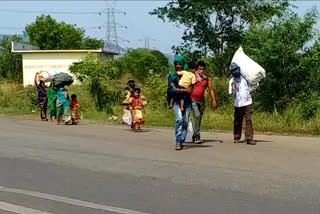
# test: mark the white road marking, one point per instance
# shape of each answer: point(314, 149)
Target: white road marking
point(18, 209)
point(70, 201)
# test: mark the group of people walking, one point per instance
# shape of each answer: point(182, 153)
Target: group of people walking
point(134, 106)
point(57, 100)
point(186, 93)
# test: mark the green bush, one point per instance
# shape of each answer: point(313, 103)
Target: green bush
point(155, 90)
point(16, 98)
point(309, 106)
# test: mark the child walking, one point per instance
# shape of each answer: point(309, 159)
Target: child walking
point(136, 108)
point(75, 109)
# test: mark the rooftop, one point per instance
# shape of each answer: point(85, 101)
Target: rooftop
point(24, 48)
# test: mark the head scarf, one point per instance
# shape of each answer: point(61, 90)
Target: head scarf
point(183, 62)
point(235, 71)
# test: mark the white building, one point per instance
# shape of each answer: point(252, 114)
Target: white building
point(53, 61)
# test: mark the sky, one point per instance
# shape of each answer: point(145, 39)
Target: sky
point(163, 35)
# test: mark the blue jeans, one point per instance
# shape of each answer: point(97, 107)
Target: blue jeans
point(197, 109)
point(182, 119)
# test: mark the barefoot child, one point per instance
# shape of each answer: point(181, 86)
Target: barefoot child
point(75, 109)
point(136, 109)
point(188, 79)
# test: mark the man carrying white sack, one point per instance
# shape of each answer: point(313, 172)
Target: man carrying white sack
point(240, 89)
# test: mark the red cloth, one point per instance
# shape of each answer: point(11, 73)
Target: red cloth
point(136, 102)
point(74, 105)
point(200, 89)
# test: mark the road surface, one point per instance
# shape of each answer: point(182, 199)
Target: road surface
point(45, 168)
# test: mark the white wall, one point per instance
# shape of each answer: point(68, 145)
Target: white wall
point(36, 62)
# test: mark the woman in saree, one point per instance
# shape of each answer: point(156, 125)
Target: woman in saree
point(42, 97)
point(52, 101)
point(63, 106)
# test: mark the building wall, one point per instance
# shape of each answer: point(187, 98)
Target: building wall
point(51, 62)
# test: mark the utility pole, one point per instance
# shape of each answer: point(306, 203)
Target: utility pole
point(111, 26)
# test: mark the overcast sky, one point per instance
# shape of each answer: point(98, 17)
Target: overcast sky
point(140, 24)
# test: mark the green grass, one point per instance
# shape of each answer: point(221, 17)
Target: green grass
point(16, 100)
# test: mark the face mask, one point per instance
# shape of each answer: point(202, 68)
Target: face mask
point(236, 73)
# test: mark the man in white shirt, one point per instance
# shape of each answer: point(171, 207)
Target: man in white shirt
point(240, 89)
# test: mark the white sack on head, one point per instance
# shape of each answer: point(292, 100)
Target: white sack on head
point(250, 70)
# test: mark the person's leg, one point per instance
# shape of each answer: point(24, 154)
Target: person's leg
point(45, 111)
point(59, 114)
point(185, 119)
point(41, 111)
point(196, 116)
point(67, 115)
point(201, 111)
point(249, 127)
point(134, 127)
point(182, 104)
point(238, 120)
point(179, 122)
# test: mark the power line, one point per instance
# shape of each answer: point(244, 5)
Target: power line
point(59, 12)
point(19, 28)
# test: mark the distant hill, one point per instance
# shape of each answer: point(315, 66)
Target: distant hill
point(113, 47)
point(23, 37)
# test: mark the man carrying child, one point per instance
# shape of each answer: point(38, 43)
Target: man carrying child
point(181, 114)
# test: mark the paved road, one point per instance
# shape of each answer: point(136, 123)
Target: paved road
point(108, 169)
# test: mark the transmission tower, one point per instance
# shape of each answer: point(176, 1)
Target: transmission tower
point(111, 38)
point(147, 40)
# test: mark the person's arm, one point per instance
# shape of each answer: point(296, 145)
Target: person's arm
point(173, 89)
point(181, 90)
point(232, 86)
point(179, 73)
point(35, 80)
point(212, 93)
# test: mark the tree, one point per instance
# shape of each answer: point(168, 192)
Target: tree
point(279, 46)
point(10, 64)
point(140, 62)
point(90, 43)
point(216, 27)
point(98, 76)
point(49, 34)
point(163, 60)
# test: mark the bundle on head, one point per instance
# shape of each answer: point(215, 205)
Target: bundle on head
point(62, 79)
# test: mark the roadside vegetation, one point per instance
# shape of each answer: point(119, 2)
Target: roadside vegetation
point(271, 33)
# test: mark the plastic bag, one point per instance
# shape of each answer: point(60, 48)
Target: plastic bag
point(126, 117)
point(250, 70)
